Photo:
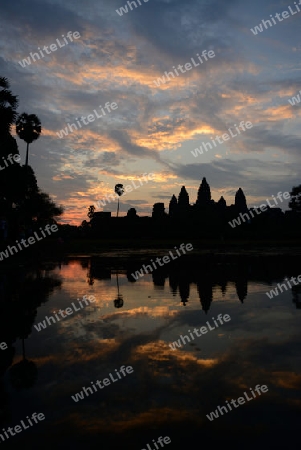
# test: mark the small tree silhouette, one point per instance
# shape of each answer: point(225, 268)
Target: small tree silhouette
point(91, 211)
point(295, 202)
point(119, 189)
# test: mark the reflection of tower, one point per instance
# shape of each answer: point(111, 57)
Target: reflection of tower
point(241, 289)
point(118, 302)
point(296, 291)
point(158, 279)
point(184, 290)
point(241, 284)
point(173, 283)
point(204, 289)
point(222, 278)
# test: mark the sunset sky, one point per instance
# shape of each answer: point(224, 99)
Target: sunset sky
point(153, 130)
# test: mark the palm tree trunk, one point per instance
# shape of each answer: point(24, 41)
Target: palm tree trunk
point(118, 207)
point(117, 284)
point(26, 161)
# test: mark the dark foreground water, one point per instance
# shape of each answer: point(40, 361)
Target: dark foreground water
point(169, 392)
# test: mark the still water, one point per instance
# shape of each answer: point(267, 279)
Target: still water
point(168, 393)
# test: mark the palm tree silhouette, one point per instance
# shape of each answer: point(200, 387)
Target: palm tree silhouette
point(28, 128)
point(8, 106)
point(119, 189)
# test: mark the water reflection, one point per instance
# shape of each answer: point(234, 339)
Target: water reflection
point(133, 323)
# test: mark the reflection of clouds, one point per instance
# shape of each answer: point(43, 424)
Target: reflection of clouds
point(176, 378)
point(169, 387)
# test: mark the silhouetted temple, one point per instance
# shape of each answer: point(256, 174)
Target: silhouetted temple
point(204, 218)
point(204, 203)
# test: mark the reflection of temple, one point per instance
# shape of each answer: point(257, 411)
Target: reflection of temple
point(211, 276)
point(184, 290)
point(96, 270)
point(204, 288)
point(296, 291)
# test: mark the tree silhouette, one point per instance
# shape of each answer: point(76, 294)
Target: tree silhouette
point(295, 202)
point(28, 128)
point(8, 106)
point(119, 189)
point(91, 211)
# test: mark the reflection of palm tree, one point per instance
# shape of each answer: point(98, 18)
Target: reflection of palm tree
point(24, 373)
point(118, 302)
point(28, 128)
